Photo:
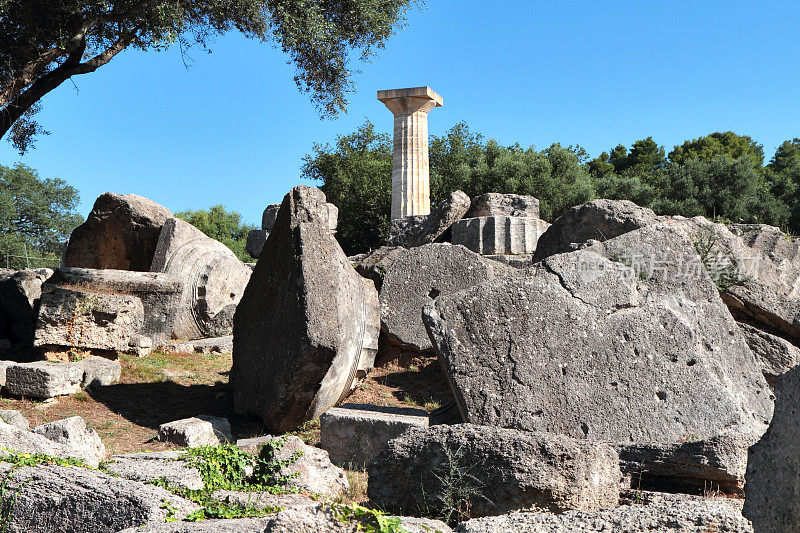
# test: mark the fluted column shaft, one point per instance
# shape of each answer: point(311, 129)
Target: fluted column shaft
point(411, 188)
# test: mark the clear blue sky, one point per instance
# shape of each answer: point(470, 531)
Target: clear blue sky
point(232, 129)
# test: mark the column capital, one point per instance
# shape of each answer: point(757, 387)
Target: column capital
point(422, 93)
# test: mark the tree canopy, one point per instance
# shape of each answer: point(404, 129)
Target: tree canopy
point(36, 216)
point(222, 225)
point(720, 176)
point(45, 42)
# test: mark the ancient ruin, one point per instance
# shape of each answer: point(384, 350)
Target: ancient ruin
point(411, 187)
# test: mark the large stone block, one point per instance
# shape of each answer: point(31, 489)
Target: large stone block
point(417, 276)
point(72, 432)
point(19, 304)
point(627, 340)
point(773, 466)
point(200, 430)
point(99, 371)
point(509, 469)
point(87, 320)
point(354, 434)
point(17, 440)
point(77, 305)
point(715, 464)
point(777, 355)
point(256, 239)
point(644, 511)
point(418, 230)
point(269, 215)
point(503, 205)
point(72, 499)
point(121, 232)
point(597, 220)
point(307, 327)
point(213, 279)
point(152, 466)
point(43, 379)
point(499, 235)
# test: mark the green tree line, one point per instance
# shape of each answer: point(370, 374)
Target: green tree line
point(721, 176)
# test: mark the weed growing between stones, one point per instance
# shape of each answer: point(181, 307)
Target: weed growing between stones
point(458, 489)
point(370, 520)
point(720, 265)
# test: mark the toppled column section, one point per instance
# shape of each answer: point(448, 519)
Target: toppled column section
point(411, 188)
point(293, 364)
point(213, 280)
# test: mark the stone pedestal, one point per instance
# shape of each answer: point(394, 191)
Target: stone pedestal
point(499, 234)
point(410, 172)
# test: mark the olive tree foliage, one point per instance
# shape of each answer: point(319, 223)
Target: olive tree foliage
point(355, 175)
point(43, 43)
point(37, 216)
point(223, 225)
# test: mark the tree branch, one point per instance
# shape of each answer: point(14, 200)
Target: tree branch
point(70, 67)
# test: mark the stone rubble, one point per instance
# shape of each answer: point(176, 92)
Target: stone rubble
point(200, 430)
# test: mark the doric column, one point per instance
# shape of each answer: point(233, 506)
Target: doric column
point(411, 184)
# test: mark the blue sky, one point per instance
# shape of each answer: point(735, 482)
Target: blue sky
point(233, 128)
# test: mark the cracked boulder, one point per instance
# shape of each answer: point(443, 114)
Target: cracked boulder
point(418, 230)
point(121, 232)
point(306, 330)
point(619, 341)
point(417, 276)
point(20, 292)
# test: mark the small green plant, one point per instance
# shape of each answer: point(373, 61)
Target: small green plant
point(369, 520)
point(619, 258)
point(719, 264)
point(458, 489)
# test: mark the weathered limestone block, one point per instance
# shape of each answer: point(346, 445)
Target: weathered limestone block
point(504, 205)
point(3, 366)
point(312, 471)
point(14, 418)
point(19, 304)
point(598, 220)
point(99, 371)
point(87, 319)
point(213, 279)
point(72, 432)
point(776, 355)
point(201, 430)
point(266, 500)
point(121, 232)
point(256, 239)
point(293, 365)
point(354, 434)
point(56, 498)
point(411, 187)
point(269, 215)
point(43, 379)
point(513, 470)
point(499, 235)
point(293, 519)
point(773, 467)
point(17, 440)
point(150, 466)
point(646, 511)
point(717, 463)
point(418, 230)
point(416, 277)
point(373, 265)
point(657, 356)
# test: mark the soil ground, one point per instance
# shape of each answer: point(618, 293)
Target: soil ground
point(161, 388)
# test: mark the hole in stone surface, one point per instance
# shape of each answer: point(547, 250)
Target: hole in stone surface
point(433, 293)
point(661, 395)
point(691, 362)
point(585, 429)
point(233, 296)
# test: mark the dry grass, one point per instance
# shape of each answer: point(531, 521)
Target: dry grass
point(161, 388)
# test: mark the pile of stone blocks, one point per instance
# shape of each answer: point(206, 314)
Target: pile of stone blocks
point(47, 379)
point(500, 225)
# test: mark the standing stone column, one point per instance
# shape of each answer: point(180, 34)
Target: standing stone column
point(411, 187)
